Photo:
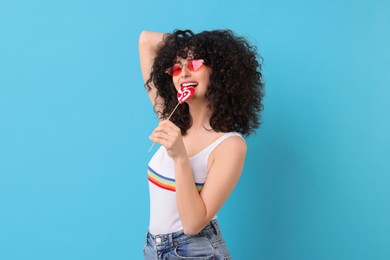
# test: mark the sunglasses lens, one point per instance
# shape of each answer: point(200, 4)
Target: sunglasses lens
point(192, 65)
point(176, 69)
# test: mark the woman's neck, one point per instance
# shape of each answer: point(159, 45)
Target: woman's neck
point(200, 114)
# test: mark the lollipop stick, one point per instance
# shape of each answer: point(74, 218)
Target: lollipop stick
point(169, 117)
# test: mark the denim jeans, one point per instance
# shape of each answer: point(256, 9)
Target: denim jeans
point(208, 244)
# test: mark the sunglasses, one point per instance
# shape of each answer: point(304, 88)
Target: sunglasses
point(192, 65)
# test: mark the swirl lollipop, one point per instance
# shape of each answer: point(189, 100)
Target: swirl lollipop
point(183, 95)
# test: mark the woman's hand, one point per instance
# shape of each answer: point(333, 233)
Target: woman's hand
point(169, 135)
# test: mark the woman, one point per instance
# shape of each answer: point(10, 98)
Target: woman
point(202, 152)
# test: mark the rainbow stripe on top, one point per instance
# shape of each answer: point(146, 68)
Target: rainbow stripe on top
point(166, 183)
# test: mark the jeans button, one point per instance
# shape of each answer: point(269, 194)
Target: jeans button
point(158, 240)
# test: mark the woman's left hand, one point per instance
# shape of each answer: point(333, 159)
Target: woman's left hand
point(169, 135)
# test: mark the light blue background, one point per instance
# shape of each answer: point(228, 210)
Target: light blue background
point(75, 120)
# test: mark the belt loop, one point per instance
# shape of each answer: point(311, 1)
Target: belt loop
point(214, 225)
point(170, 240)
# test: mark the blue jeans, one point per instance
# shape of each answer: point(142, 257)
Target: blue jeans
point(208, 244)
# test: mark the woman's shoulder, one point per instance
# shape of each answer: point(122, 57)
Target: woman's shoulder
point(233, 141)
point(230, 146)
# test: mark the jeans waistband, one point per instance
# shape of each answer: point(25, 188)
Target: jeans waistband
point(171, 239)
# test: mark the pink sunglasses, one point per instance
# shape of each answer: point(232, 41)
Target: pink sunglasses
point(192, 65)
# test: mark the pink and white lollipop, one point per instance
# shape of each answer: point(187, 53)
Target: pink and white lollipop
point(183, 95)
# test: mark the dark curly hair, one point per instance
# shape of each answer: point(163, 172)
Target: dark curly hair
point(236, 88)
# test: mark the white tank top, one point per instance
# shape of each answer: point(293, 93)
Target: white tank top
point(164, 215)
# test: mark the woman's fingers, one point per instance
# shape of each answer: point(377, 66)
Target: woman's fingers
point(161, 134)
point(167, 127)
point(158, 136)
point(167, 134)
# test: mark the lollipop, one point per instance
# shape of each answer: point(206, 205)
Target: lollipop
point(183, 95)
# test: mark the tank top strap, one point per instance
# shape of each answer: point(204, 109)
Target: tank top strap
point(213, 145)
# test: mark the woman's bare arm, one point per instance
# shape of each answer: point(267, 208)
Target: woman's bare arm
point(195, 209)
point(149, 43)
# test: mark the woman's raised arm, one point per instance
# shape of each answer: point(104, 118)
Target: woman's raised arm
point(148, 46)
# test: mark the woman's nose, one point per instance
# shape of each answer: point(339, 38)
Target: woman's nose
point(185, 72)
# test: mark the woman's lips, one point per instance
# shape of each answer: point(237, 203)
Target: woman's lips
point(189, 84)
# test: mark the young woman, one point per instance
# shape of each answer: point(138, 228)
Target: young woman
point(202, 150)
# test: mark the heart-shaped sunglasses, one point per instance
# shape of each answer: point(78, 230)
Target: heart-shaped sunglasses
point(192, 65)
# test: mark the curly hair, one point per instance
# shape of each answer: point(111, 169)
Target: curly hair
point(236, 87)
